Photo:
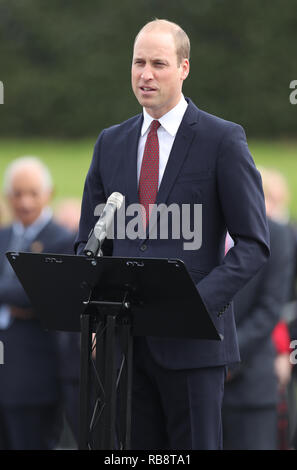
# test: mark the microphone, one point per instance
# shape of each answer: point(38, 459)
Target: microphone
point(98, 235)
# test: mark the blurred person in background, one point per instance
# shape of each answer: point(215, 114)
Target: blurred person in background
point(5, 216)
point(1, 212)
point(277, 199)
point(277, 195)
point(250, 407)
point(29, 379)
point(67, 213)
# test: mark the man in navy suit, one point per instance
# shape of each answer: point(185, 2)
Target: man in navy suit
point(178, 383)
point(29, 377)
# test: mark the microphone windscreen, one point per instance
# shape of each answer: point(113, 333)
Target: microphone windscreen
point(116, 198)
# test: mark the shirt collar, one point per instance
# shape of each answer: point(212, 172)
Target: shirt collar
point(170, 121)
point(34, 229)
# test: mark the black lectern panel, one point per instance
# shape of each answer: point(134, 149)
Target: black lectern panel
point(55, 287)
point(110, 299)
point(163, 298)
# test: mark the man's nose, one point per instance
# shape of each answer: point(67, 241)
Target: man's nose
point(26, 201)
point(147, 73)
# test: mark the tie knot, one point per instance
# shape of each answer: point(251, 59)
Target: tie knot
point(155, 125)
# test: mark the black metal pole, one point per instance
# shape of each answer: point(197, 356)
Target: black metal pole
point(86, 346)
point(110, 384)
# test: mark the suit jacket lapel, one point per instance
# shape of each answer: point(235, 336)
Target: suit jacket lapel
point(179, 151)
point(38, 245)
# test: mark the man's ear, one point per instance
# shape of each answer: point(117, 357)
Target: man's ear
point(50, 195)
point(185, 65)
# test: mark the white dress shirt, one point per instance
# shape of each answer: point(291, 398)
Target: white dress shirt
point(170, 123)
point(31, 232)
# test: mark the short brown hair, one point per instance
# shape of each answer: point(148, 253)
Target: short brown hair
point(182, 41)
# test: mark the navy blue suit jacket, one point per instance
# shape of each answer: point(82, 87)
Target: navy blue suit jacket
point(30, 371)
point(210, 164)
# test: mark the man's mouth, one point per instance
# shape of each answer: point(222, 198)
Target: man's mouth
point(147, 88)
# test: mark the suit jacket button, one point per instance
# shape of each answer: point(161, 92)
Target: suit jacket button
point(143, 247)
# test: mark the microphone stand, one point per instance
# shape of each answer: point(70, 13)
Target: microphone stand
point(106, 424)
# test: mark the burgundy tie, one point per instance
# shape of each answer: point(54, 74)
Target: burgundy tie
point(149, 174)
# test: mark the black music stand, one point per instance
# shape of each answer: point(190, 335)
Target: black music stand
point(110, 300)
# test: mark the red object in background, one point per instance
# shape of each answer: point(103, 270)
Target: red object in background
point(281, 338)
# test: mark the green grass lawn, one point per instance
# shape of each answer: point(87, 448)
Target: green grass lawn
point(69, 161)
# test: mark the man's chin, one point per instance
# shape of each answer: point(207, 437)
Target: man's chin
point(151, 108)
point(146, 100)
point(27, 220)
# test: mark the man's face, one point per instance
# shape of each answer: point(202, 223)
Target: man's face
point(28, 196)
point(156, 76)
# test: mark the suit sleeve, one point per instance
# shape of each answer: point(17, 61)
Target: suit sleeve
point(241, 198)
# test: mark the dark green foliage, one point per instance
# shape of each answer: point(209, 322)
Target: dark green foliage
point(65, 64)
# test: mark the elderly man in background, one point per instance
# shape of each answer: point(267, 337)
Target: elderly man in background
point(29, 385)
